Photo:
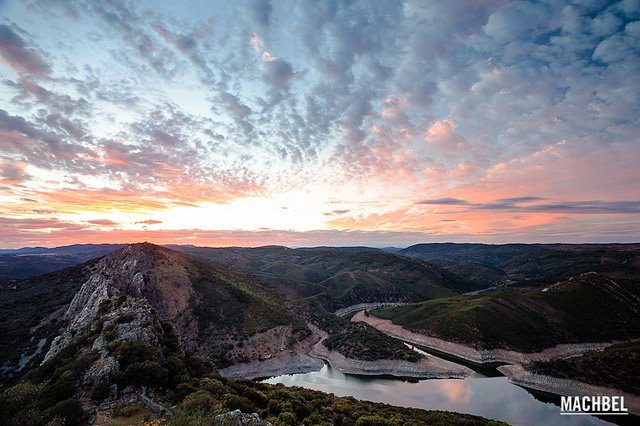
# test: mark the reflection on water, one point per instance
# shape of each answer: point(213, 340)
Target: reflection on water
point(491, 397)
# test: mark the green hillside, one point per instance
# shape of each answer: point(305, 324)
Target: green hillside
point(589, 308)
point(340, 277)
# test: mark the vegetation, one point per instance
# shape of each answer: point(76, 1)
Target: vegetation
point(361, 341)
point(589, 308)
point(51, 394)
point(25, 313)
point(617, 366)
point(354, 340)
point(338, 277)
point(530, 264)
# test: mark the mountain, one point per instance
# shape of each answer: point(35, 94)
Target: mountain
point(213, 311)
point(341, 277)
point(32, 261)
point(587, 308)
point(617, 366)
point(530, 264)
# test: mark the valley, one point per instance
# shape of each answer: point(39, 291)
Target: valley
point(185, 323)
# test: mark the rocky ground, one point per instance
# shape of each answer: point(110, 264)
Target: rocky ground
point(289, 362)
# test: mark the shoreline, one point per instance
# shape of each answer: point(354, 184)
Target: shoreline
point(311, 355)
point(517, 375)
point(513, 369)
point(349, 310)
point(484, 356)
point(429, 367)
point(289, 363)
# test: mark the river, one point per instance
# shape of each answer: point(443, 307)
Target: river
point(490, 397)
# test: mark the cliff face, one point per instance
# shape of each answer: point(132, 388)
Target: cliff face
point(120, 297)
point(143, 291)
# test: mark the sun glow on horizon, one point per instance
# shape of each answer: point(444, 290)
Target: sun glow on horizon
point(385, 120)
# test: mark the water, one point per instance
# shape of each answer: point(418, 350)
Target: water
point(490, 397)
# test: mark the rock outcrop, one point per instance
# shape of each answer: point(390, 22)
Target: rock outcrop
point(133, 294)
point(238, 418)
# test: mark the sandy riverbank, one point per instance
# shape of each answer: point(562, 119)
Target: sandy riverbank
point(478, 356)
point(519, 376)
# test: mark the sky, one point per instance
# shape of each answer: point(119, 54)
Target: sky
point(302, 123)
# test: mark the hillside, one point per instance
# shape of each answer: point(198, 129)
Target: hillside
point(214, 311)
point(32, 311)
point(588, 308)
point(340, 277)
point(531, 264)
point(617, 366)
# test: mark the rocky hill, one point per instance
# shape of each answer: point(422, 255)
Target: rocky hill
point(212, 311)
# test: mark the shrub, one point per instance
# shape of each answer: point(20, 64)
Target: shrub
point(287, 418)
point(235, 402)
point(372, 421)
point(200, 400)
point(68, 411)
point(100, 391)
point(148, 373)
point(213, 386)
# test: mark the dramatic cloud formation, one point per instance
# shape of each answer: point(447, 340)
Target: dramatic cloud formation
point(332, 122)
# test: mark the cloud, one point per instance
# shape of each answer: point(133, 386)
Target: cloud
point(445, 202)
point(12, 172)
point(541, 205)
point(102, 222)
point(17, 53)
point(149, 222)
point(441, 101)
point(336, 212)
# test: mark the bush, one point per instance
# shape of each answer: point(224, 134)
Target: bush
point(287, 418)
point(100, 391)
point(148, 373)
point(235, 402)
point(213, 386)
point(372, 421)
point(177, 371)
point(200, 400)
point(69, 412)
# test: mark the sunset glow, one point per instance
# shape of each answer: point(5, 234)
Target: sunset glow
point(319, 123)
